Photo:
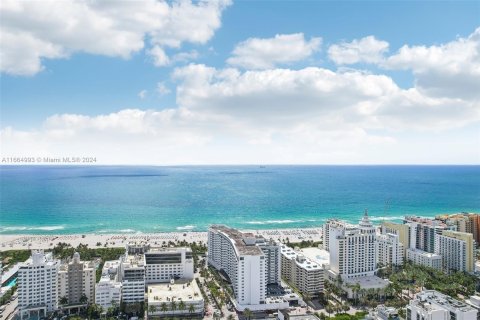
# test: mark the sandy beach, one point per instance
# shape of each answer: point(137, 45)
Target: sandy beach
point(19, 242)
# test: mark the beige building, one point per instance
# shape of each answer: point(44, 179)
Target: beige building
point(401, 230)
point(76, 278)
point(457, 250)
point(424, 258)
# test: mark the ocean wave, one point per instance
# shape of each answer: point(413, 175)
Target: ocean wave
point(116, 231)
point(274, 221)
point(185, 228)
point(24, 228)
point(386, 218)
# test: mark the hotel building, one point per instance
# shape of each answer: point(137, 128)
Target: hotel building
point(76, 278)
point(164, 264)
point(352, 248)
point(245, 260)
point(457, 249)
point(389, 250)
point(432, 305)
point(132, 274)
point(38, 285)
point(424, 258)
point(109, 289)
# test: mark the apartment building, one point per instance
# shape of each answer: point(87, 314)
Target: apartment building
point(433, 305)
point(389, 250)
point(401, 230)
point(132, 276)
point(457, 250)
point(424, 258)
point(38, 285)
point(306, 275)
point(76, 279)
point(423, 232)
point(108, 291)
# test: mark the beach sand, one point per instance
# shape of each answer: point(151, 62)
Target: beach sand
point(19, 242)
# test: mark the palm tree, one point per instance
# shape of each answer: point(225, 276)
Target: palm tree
point(247, 313)
point(63, 301)
point(152, 309)
point(163, 307)
point(83, 299)
point(329, 309)
point(231, 317)
point(191, 309)
point(355, 289)
point(173, 306)
point(307, 297)
point(182, 306)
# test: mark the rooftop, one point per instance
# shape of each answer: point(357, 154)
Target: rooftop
point(427, 297)
point(368, 282)
point(181, 290)
point(245, 243)
point(425, 253)
point(305, 263)
point(320, 256)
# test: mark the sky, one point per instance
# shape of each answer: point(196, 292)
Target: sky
point(241, 82)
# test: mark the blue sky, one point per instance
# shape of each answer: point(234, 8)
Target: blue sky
point(78, 81)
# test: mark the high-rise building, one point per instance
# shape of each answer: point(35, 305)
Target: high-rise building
point(423, 232)
point(352, 248)
point(164, 264)
point(463, 222)
point(243, 257)
point(76, 278)
point(389, 250)
point(401, 230)
point(37, 285)
point(433, 305)
point(306, 275)
point(108, 290)
point(132, 274)
point(457, 250)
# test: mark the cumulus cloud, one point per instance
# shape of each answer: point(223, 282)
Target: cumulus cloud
point(264, 53)
point(368, 49)
point(447, 70)
point(33, 31)
point(162, 88)
point(284, 97)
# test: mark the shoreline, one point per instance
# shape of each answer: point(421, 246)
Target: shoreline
point(118, 240)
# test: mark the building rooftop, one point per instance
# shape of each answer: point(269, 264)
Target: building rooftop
point(368, 282)
point(317, 255)
point(245, 243)
point(181, 290)
point(300, 259)
point(428, 297)
point(167, 250)
point(425, 253)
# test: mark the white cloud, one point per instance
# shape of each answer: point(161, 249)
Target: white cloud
point(447, 70)
point(257, 53)
point(162, 89)
point(33, 30)
point(368, 49)
point(142, 94)
point(160, 58)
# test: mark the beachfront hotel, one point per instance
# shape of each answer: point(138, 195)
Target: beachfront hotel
point(37, 285)
point(457, 250)
point(243, 258)
point(76, 278)
point(423, 232)
point(433, 305)
point(305, 274)
point(352, 248)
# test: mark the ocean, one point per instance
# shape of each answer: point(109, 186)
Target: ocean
point(134, 199)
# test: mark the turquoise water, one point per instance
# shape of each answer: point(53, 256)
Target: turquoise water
point(104, 199)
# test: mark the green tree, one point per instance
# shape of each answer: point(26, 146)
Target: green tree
point(173, 306)
point(63, 301)
point(247, 313)
point(163, 307)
